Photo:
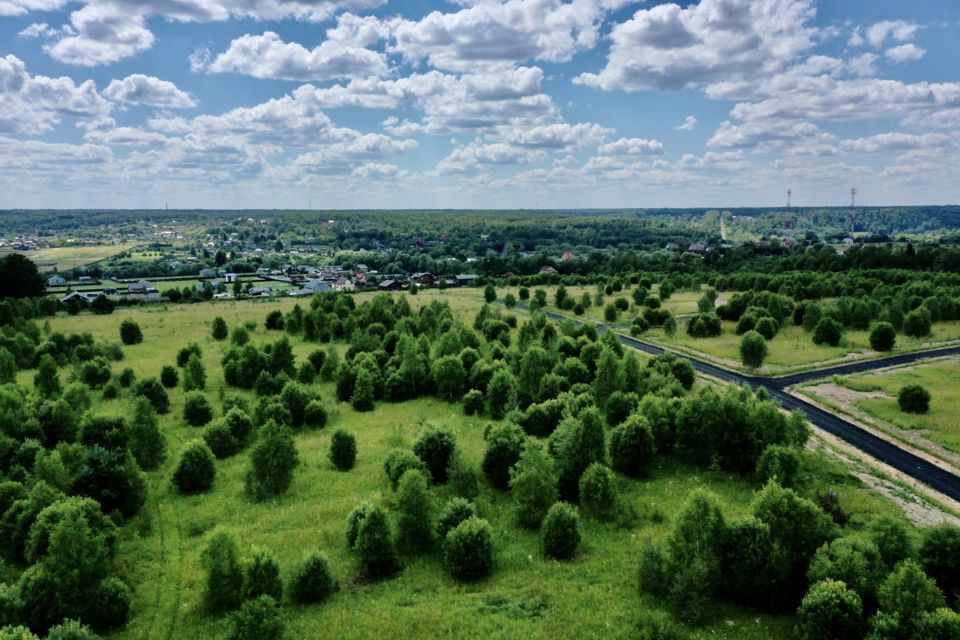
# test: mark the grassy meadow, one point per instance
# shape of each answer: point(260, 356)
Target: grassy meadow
point(66, 258)
point(941, 424)
point(593, 596)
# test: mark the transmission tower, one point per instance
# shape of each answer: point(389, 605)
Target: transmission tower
point(789, 193)
point(853, 197)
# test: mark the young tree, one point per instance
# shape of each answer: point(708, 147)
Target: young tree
point(533, 484)
point(913, 398)
point(753, 349)
point(362, 398)
point(415, 510)
point(504, 445)
point(169, 376)
point(489, 293)
point(47, 378)
point(224, 582)
point(828, 331)
point(560, 533)
point(219, 329)
point(378, 554)
point(501, 394)
point(196, 409)
point(272, 461)
point(917, 323)
point(258, 619)
point(468, 550)
point(195, 471)
point(598, 492)
point(194, 376)
point(883, 336)
point(435, 447)
point(262, 577)
point(632, 447)
point(343, 450)
point(146, 442)
point(831, 611)
point(130, 332)
point(313, 581)
point(453, 513)
point(609, 377)
point(449, 377)
point(152, 390)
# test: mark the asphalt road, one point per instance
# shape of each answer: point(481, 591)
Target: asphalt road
point(883, 450)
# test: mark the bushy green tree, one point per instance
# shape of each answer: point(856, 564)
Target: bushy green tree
point(47, 379)
point(415, 510)
point(533, 484)
point(130, 332)
point(831, 611)
point(576, 444)
point(272, 461)
point(152, 390)
point(219, 329)
point(598, 492)
point(262, 577)
point(501, 394)
point(258, 619)
point(435, 446)
point(343, 450)
point(904, 596)
point(632, 447)
point(313, 580)
point(778, 463)
point(855, 562)
point(504, 445)
point(375, 545)
point(398, 462)
point(194, 375)
point(913, 398)
point(463, 478)
point(468, 550)
point(827, 332)
point(146, 442)
point(196, 469)
point(560, 533)
point(224, 582)
point(883, 336)
point(196, 409)
point(362, 398)
point(917, 323)
point(453, 513)
point(169, 376)
point(939, 555)
point(753, 349)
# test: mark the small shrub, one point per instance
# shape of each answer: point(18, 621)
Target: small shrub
point(152, 390)
point(398, 462)
point(914, 398)
point(313, 581)
point(111, 606)
point(378, 554)
point(272, 461)
point(462, 477)
point(473, 402)
point(238, 422)
point(883, 336)
point(169, 376)
point(778, 463)
point(196, 409)
point(453, 513)
point(315, 414)
point(828, 331)
point(415, 508)
point(221, 442)
point(632, 447)
point(195, 471)
point(343, 450)
point(504, 444)
point(354, 520)
point(560, 532)
point(468, 550)
point(434, 447)
point(258, 619)
point(598, 492)
point(130, 332)
point(224, 583)
point(262, 577)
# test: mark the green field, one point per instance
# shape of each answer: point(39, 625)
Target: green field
point(593, 596)
point(66, 258)
point(792, 347)
point(941, 424)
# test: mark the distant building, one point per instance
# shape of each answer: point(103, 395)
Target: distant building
point(343, 285)
point(465, 279)
point(390, 285)
point(547, 269)
point(316, 286)
point(567, 256)
point(86, 297)
point(260, 292)
point(697, 247)
point(230, 277)
point(139, 287)
point(85, 279)
point(56, 281)
point(207, 273)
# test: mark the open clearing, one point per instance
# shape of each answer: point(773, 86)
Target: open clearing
point(66, 258)
point(526, 596)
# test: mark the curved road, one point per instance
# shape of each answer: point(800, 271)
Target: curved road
point(875, 446)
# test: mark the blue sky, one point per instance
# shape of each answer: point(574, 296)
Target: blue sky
point(477, 103)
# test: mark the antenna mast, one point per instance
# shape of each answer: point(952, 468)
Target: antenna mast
point(789, 193)
point(853, 197)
